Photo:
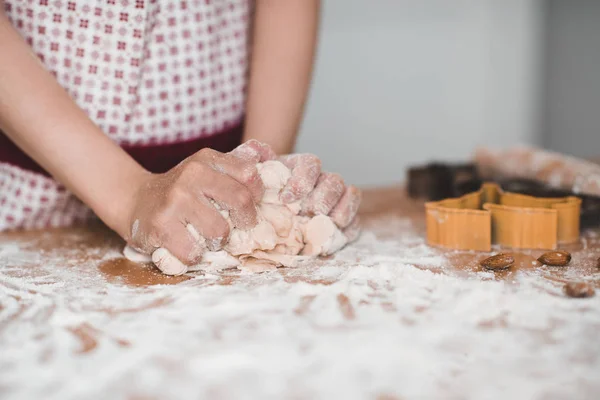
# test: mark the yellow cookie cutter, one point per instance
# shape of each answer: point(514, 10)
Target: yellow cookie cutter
point(490, 215)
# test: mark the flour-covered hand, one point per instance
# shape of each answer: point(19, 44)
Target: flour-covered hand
point(320, 193)
point(332, 197)
point(305, 168)
point(174, 217)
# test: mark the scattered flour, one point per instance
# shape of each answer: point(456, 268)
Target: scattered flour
point(369, 322)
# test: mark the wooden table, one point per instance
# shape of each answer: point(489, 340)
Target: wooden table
point(388, 317)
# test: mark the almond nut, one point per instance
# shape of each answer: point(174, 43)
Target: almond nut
point(555, 258)
point(498, 262)
point(579, 289)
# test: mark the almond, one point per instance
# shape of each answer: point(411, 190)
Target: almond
point(555, 258)
point(579, 289)
point(498, 262)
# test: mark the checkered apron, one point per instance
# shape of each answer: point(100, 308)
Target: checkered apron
point(162, 78)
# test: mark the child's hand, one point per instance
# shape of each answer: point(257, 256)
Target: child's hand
point(173, 210)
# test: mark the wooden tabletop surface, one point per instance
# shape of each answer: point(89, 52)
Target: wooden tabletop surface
point(388, 317)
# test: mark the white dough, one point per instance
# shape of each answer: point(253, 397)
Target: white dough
point(168, 263)
point(274, 176)
point(322, 236)
point(216, 261)
point(261, 237)
point(281, 237)
point(133, 255)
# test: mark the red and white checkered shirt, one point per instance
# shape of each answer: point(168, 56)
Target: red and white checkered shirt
point(162, 78)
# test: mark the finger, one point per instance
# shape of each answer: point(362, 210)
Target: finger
point(181, 243)
point(232, 196)
point(206, 225)
point(306, 169)
point(254, 151)
point(352, 231)
point(345, 210)
point(187, 227)
point(167, 262)
point(243, 171)
point(327, 193)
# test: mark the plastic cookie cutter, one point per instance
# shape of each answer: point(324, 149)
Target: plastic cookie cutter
point(490, 215)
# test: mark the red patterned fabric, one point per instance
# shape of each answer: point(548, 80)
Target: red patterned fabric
point(162, 78)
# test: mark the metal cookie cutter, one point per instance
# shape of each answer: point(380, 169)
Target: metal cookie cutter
point(437, 181)
point(490, 215)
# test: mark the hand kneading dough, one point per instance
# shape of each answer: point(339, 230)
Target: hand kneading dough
point(280, 238)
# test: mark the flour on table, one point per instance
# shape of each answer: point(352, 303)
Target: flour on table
point(282, 237)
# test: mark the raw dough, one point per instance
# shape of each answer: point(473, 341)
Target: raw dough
point(281, 237)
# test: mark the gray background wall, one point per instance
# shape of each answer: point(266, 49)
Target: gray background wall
point(399, 82)
point(571, 98)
